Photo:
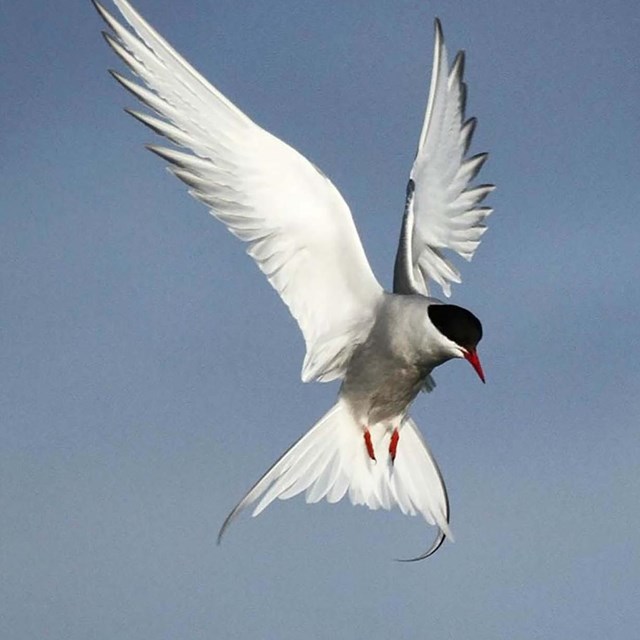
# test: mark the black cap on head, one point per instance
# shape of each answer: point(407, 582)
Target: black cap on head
point(457, 324)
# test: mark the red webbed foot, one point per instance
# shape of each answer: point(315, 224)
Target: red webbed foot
point(369, 445)
point(393, 444)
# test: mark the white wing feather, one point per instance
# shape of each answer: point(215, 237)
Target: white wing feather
point(298, 227)
point(443, 211)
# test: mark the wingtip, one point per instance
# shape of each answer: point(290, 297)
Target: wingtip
point(111, 41)
point(438, 41)
point(134, 114)
point(102, 12)
point(457, 68)
point(437, 25)
point(154, 148)
point(107, 18)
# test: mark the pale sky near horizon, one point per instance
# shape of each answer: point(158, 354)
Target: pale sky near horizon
point(150, 375)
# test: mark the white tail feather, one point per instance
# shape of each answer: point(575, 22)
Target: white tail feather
point(331, 460)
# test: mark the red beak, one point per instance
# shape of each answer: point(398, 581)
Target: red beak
point(472, 357)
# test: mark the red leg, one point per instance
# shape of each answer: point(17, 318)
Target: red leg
point(393, 444)
point(369, 444)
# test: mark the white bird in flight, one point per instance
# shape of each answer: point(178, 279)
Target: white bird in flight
point(299, 230)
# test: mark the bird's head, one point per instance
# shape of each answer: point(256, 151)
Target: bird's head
point(462, 331)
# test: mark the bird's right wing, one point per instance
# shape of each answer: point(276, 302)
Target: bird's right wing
point(442, 209)
point(297, 226)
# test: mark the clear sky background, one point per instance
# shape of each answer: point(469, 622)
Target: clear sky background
point(150, 375)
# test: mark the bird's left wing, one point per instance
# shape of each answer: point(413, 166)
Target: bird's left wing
point(442, 210)
point(297, 226)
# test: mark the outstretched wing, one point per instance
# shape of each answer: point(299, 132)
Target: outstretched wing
point(297, 225)
point(442, 210)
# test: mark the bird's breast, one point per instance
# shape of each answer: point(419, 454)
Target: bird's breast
point(381, 390)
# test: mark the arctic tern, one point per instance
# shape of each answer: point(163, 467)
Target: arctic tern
point(299, 230)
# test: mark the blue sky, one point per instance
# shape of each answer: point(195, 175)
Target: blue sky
point(150, 375)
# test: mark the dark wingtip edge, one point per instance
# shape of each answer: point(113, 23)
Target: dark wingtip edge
point(437, 25)
point(99, 8)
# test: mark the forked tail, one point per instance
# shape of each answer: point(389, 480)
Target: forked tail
point(331, 460)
